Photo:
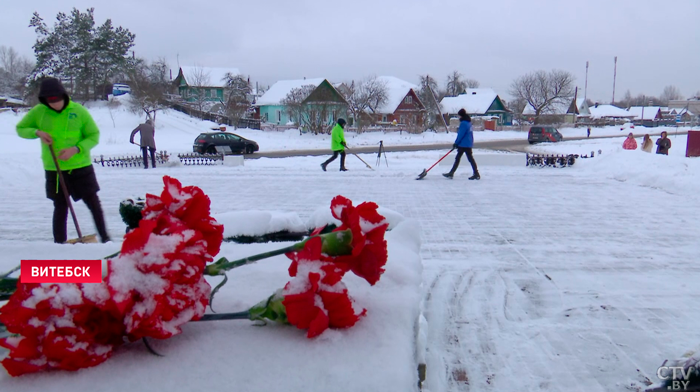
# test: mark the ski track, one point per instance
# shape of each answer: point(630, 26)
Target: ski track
point(606, 317)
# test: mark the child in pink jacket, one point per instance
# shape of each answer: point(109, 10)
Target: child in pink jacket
point(630, 143)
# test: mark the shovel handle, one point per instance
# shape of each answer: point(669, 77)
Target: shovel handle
point(65, 191)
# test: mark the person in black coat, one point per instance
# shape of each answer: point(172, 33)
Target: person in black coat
point(663, 143)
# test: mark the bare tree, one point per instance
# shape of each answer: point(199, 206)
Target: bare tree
point(542, 90)
point(294, 102)
point(517, 105)
point(471, 83)
point(366, 95)
point(236, 93)
point(14, 70)
point(670, 93)
point(149, 86)
point(199, 79)
point(430, 95)
point(455, 85)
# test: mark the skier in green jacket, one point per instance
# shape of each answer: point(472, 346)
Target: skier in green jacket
point(69, 128)
point(337, 145)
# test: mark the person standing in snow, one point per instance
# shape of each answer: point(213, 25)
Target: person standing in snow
point(647, 144)
point(147, 143)
point(464, 144)
point(588, 132)
point(663, 143)
point(338, 145)
point(630, 143)
point(68, 127)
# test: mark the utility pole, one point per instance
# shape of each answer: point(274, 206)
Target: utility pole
point(614, 78)
point(585, 89)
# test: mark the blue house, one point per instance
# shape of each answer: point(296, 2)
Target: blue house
point(323, 100)
point(208, 84)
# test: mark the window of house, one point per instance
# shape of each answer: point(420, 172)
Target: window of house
point(279, 116)
point(414, 119)
point(402, 119)
point(384, 118)
point(408, 99)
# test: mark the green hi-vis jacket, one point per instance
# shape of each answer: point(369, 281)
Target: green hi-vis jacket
point(337, 136)
point(73, 127)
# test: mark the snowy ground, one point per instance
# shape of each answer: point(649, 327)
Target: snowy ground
point(534, 279)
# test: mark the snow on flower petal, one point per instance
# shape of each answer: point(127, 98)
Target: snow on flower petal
point(58, 326)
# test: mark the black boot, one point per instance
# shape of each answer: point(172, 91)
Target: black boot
point(476, 176)
point(323, 166)
point(343, 169)
point(449, 175)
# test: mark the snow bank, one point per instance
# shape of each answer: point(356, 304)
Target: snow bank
point(674, 173)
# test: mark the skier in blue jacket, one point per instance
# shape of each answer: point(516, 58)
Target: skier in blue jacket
point(464, 144)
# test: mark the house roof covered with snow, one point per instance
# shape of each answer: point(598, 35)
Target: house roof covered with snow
point(649, 112)
point(474, 101)
point(557, 108)
point(396, 91)
point(609, 111)
point(279, 90)
point(11, 100)
point(215, 76)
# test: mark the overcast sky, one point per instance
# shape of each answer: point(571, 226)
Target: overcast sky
point(657, 43)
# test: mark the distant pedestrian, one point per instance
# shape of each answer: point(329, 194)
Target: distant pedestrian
point(647, 144)
point(588, 132)
point(464, 144)
point(663, 143)
point(630, 143)
point(338, 145)
point(68, 128)
point(147, 143)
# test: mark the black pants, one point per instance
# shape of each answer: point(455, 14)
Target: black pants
point(145, 151)
point(60, 217)
point(335, 155)
point(470, 157)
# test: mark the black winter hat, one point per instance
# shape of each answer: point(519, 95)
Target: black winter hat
point(463, 114)
point(341, 122)
point(52, 87)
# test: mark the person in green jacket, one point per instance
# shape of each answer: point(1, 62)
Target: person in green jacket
point(69, 128)
point(337, 145)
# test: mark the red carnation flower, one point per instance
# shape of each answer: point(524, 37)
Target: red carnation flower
point(316, 298)
point(369, 248)
point(59, 326)
point(157, 282)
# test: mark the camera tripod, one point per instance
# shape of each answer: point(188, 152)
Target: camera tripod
point(379, 154)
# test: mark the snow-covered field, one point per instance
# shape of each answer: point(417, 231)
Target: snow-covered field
point(533, 279)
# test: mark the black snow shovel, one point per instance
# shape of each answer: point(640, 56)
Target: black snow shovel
point(88, 239)
point(425, 172)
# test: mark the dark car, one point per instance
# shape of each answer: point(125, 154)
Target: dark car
point(206, 143)
point(543, 134)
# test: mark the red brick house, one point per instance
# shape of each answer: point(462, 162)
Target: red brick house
point(402, 104)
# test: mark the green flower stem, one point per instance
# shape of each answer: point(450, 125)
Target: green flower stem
point(337, 243)
point(5, 275)
point(226, 316)
point(221, 265)
point(112, 255)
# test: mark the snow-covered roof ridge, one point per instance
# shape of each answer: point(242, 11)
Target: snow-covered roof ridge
point(474, 101)
point(396, 91)
point(649, 112)
point(216, 74)
point(601, 111)
point(11, 100)
point(281, 88)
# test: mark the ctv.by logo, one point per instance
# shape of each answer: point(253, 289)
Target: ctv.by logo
point(677, 377)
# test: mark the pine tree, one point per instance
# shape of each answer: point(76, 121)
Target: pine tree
point(83, 56)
